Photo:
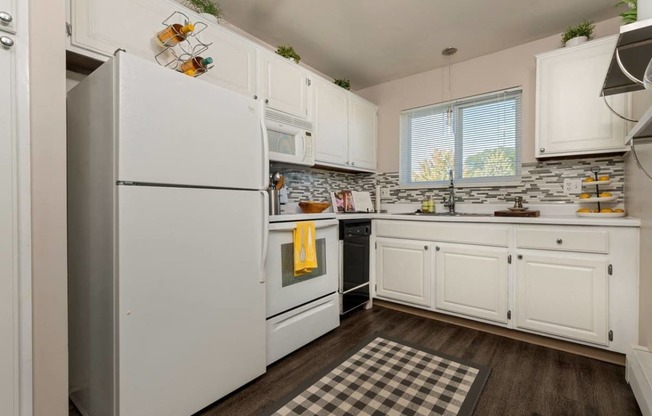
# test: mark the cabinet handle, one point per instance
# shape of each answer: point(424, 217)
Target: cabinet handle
point(266, 101)
point(255, 97)
point(542, 149)
point(352, 163)
point(437, 248)
point(6, 42)
point(347, 162)
point(519, 256)
point(559, 241)
point(5, 18)
point(425, 248)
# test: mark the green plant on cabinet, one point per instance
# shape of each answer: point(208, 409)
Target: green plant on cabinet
point(287, 51)
point(583, 29)
point(205, 6)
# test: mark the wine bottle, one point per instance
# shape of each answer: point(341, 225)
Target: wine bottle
point(174, 34)
point(197, 64)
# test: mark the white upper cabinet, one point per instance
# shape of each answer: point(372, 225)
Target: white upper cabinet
point(283, 84)
point(472, 280)
point(345, 128)
point(99, 27)
point(362, 133)
point(8, 16)
point(331, 123)
point(571, 116)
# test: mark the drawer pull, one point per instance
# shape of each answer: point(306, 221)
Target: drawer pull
point(559, 241)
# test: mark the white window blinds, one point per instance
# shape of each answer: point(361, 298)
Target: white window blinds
point(478, 138)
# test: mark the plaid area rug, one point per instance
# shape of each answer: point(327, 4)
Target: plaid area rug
point(387, 377)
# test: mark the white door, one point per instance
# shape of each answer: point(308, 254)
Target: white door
point(564, 295)
point(8, 16)
point(283, 84)
point(472, 280)
point(362, 133)
point(331, 123)
point(234, 61)
point(571, 115)
point(191, 310)
point(176, 130)
point(403, 270)
point(8, 238)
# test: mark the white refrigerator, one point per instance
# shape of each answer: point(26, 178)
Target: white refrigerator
point(167, 224)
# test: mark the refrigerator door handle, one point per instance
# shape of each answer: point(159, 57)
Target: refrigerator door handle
point(265, 196)
point(265, 139)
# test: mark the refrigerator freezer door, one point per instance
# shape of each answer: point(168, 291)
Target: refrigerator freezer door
point(174, 129)
point(191, 310)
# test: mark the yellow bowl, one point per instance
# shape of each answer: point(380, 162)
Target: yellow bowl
point(312, 207)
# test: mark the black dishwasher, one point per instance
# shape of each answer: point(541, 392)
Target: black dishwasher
point(354, 260)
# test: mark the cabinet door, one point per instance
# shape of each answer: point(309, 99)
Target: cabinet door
point(472, 280)
point(331, 123)
point(571, 117)
point(234, 60)
point(403, 270)
point(8, 278)
point(362, 133)
point(9, 8)
point(564, 295)
point(283, 84)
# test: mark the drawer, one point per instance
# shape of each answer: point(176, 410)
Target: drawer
point(294, 329)
point(563, 239)
point(445, 232)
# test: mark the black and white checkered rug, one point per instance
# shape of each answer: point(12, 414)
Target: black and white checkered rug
point(387, 377)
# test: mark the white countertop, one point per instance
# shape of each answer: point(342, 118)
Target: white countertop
point(560, 214)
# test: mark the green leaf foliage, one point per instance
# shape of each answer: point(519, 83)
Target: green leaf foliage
point(205, 6)
point(287, 51)
point(631, 14)
point(583, 29)
point(344, 83)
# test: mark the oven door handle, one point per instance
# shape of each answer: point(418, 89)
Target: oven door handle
point(286, 226)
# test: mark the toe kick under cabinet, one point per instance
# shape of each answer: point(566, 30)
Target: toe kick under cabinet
point(575, 283)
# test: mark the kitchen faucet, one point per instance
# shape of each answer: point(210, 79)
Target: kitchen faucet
point(450, 203)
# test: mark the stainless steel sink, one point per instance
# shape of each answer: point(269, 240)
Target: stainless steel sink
point(447, 214)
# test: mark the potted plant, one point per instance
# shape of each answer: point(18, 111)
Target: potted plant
point(288, 52)
point(574, 35)
point(206, 8)
point(629, 15)
point(344, 83)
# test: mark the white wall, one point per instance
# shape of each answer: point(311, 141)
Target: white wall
point(49, 265)
point(508, 68)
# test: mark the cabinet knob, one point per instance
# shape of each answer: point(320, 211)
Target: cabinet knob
point(6, 42)
point(347, 162)
point(542, 149)
point(559, 241)
point(5, 18)
point(519, 256)
point(255, 97)
point(425, 248)
point(352, 163)
point(437, 248)
point(266, 101)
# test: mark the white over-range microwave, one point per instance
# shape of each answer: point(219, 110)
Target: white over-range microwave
point(290, 139)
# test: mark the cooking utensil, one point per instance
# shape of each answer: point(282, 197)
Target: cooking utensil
point(280, 182)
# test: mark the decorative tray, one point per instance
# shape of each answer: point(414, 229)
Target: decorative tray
point(601, 214)
point(598, 199)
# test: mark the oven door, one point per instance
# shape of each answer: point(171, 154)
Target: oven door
point(284, 290)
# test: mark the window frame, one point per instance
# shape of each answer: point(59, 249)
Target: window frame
point(458, 161)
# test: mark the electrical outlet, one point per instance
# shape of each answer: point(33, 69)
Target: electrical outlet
point(384, 193)
point(572, 186)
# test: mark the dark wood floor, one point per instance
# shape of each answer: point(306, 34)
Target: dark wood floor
point(525, 380)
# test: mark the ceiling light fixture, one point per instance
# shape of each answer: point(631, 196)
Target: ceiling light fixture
point(448, 52)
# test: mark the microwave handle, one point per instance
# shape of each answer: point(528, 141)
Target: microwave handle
point(265, 139)
point(303, 143)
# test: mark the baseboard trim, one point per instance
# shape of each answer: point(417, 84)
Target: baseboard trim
point(583, 350)
point(639, 376)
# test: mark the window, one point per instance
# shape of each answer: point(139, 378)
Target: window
point(478, 138)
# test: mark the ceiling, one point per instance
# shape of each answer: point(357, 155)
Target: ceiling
point(374, 41)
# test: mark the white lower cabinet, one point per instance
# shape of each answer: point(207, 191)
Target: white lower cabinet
point(564, 295)
point(472, 280)
point(403, 270)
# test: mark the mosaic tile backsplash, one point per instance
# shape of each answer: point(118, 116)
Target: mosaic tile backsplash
point(541, 182)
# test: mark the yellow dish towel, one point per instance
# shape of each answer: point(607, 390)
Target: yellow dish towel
point(305, 253)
